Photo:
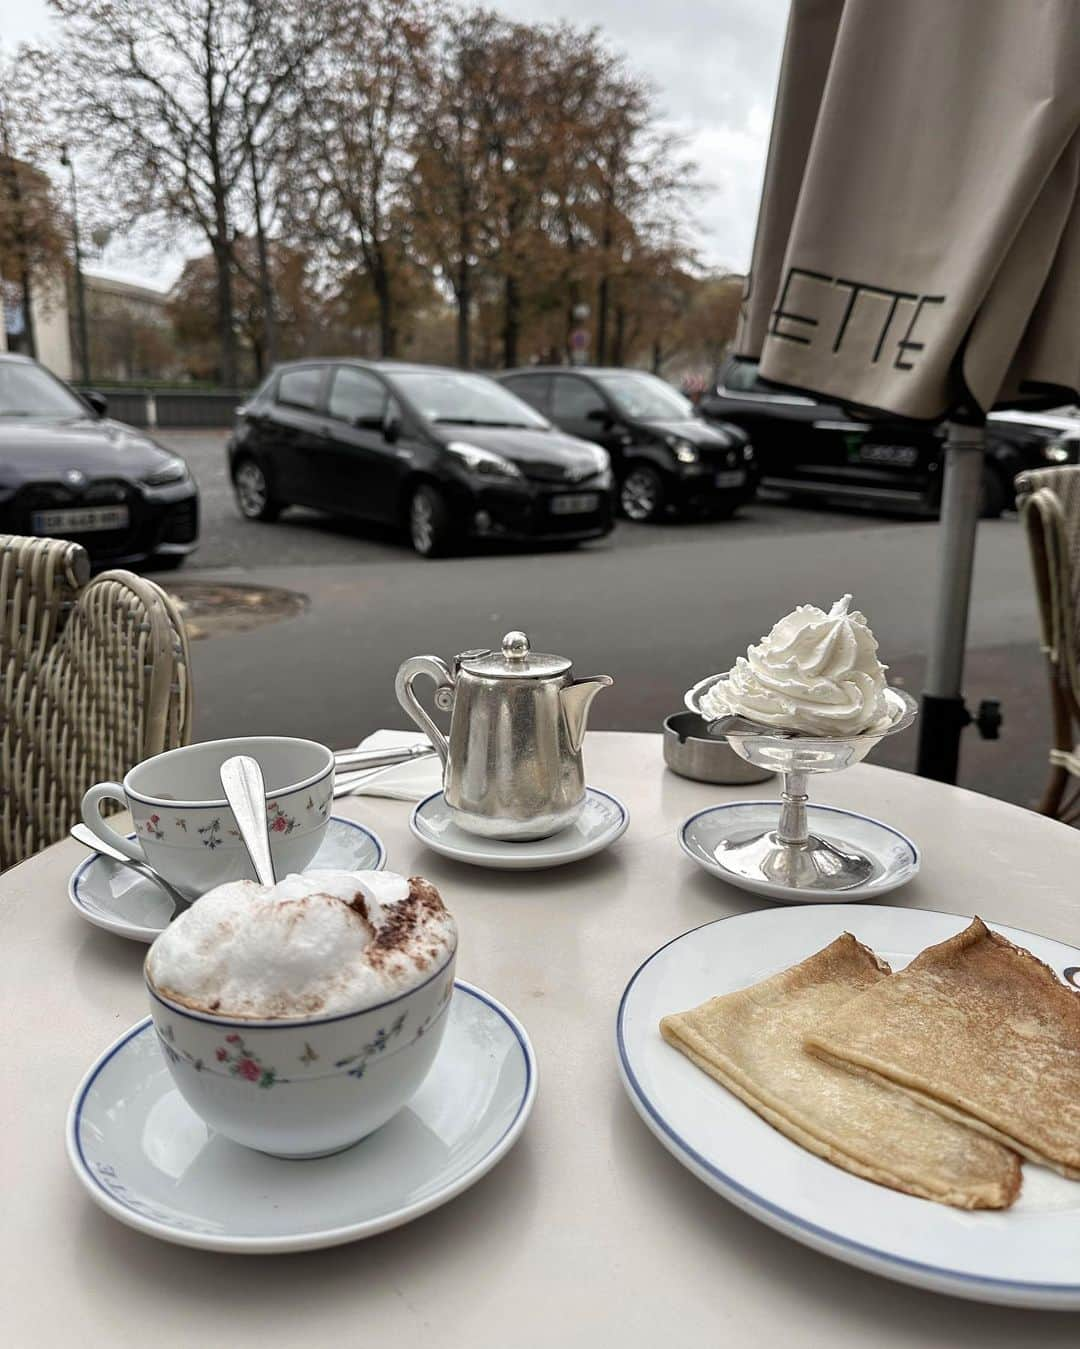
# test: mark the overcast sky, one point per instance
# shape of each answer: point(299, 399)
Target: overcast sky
point(714, 64)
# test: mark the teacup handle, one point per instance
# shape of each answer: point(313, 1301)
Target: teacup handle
point(92, 817)
point(437, 670)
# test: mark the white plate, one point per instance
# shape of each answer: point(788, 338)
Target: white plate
point(151, 1162)
point(116, 898)
point(603, 819)
point(1026, 1256)
point(896, 858)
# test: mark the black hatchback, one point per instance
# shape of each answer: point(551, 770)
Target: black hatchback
point(809, 448)
point(664, 456)
point(67, 471)
point(444, 454)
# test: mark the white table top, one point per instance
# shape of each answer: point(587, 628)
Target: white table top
point(588, 1233)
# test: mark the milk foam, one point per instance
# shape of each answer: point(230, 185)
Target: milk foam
point(323, 943)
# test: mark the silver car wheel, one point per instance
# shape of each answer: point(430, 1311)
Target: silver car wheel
point(421, 523)
point(640, 495)
point(251, 489)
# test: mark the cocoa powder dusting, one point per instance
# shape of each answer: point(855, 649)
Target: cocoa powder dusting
point(404, 919)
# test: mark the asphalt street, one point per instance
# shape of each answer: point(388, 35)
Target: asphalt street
point(657, 607)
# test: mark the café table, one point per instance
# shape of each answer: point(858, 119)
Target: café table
point(588, 1232)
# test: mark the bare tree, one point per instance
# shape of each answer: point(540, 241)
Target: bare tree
point(33, 232)
point(349, 159)
point(174, 100)
point(450, 180)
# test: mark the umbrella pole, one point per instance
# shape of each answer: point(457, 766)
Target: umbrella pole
point(944, 714)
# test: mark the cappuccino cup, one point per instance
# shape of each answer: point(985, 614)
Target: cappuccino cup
point(298, 1018)
point(184, 827)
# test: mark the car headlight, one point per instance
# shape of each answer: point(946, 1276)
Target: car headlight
point(1054, 452)
point(485, 462)
point(172, 470)
point(600, 458)
point(748, 452)
point(684, 452)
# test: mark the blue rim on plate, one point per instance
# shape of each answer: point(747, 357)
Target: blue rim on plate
point(783, 1220)
point(867, 890)
point(94, 915)
point(130, 1214)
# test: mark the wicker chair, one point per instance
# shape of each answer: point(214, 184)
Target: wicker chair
point(1049, 500)
point(94, 677)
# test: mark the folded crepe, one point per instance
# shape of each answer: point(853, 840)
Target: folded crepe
point(980, 1031)
point(752, 1042)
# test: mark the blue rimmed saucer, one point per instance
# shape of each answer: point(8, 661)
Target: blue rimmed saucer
point(713, 838)
point(603, 819)
point(148, 1160)
point(114, 897)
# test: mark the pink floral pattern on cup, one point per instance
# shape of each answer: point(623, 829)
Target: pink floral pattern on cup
point(244, 1062)
point(280, 819)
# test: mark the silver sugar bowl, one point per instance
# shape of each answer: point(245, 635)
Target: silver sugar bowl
point(512, 766)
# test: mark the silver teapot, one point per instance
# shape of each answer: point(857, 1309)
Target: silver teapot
point(512, 763)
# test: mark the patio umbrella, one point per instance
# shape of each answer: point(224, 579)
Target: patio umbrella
point(918, 245)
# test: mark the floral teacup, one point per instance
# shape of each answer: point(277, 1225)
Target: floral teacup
point(184, 827)
point(306, 1086)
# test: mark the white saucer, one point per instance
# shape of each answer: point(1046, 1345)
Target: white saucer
point(116, 898)
point(1024, 1256)
point(151, 1162)
point(603, 819)
point(895, 857)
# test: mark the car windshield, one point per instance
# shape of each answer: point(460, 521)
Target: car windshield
point(465, 400)
point(646, 397)
point(29, 391)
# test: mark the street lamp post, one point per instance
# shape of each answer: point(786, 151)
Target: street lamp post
point(80, 288)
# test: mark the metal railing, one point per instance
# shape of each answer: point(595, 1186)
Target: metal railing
point(173, 408)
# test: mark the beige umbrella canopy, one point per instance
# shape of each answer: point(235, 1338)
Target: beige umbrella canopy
point(918, 246)
point(918, 249)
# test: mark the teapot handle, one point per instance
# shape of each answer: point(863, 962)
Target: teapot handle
point(438, 671)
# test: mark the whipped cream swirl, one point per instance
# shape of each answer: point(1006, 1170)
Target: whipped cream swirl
point(816, 672)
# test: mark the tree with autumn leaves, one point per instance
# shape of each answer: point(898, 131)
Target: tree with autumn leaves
point(362, 170)
point(33, 228)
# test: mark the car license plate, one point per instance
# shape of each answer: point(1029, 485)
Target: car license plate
point(87, 520)
point(730, 477)
point(580, 504)
point(896, 456)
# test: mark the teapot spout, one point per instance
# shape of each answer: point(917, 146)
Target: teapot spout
point(576, 700)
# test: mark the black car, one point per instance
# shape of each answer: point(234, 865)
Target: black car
point(663, 455)
point(810, 448)
point(67, 472)
point(444, 454)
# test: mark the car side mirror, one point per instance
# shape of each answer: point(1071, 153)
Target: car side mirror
point(391, 428)
point(601, 415)
point(99, 404)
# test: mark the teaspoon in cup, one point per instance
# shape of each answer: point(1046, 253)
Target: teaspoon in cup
point(245, 792)
point(88, 839)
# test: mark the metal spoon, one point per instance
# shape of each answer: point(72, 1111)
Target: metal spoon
point(88, 839)
point(346, 760)
point(245, 792)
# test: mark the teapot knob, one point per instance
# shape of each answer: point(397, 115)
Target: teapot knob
point(515, 646)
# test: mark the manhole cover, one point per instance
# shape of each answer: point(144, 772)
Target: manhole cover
point(214, 610)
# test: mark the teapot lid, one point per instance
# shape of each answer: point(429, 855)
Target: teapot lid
point(516, 660)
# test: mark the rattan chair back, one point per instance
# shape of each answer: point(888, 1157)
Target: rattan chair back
point(1049, 501)
point(95, 677)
